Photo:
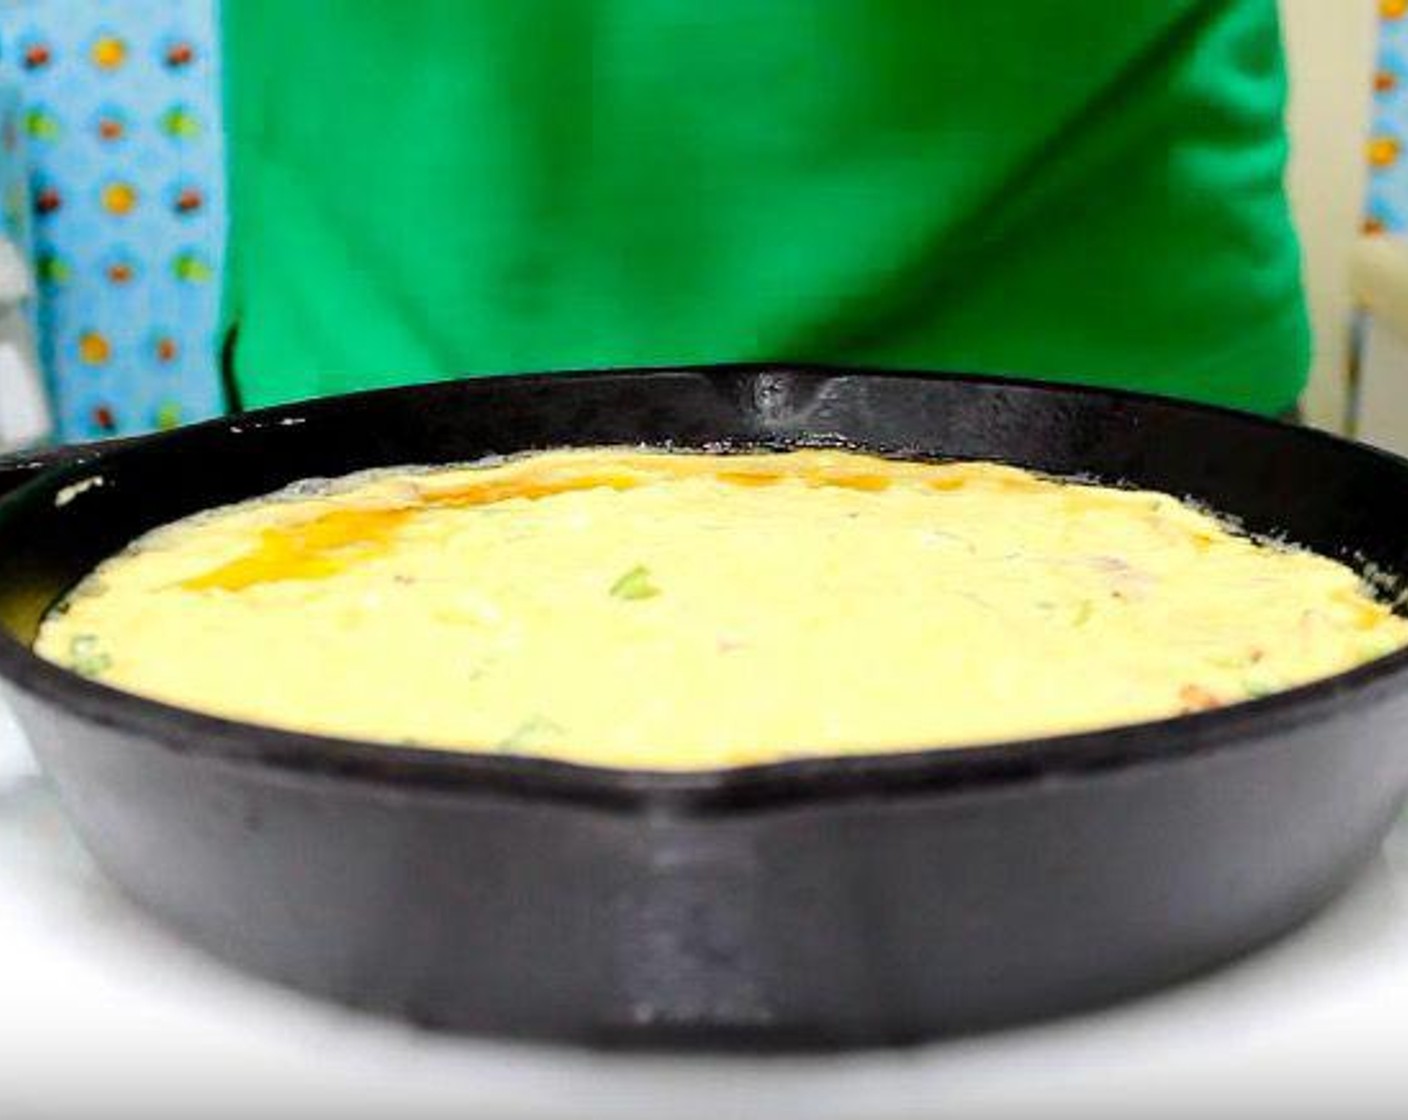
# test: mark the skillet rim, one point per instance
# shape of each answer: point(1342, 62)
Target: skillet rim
point(297, 755)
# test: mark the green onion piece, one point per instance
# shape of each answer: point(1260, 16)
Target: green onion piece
point(535, 727)
point(635, 584)
point(87, 656)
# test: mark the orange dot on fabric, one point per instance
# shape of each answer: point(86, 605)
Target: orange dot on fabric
point(180, 54)
point(93, 348)
point(1383, 150)
point(1393, 9)
point(109, 52)
point(188, 201)
point(119, 198)
point(1385, 81)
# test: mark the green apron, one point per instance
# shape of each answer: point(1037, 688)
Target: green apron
point(1087, 190)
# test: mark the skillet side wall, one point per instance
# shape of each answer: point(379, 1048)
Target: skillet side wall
point(859, 921)
point(825, 920)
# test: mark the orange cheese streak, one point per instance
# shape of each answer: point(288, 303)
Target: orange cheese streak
point(328, 542)
point(313, 549)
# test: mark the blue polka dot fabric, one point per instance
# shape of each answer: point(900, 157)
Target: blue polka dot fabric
point(1387, 208)
point(120, 116)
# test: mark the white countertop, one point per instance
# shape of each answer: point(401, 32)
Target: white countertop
point(102, 1013)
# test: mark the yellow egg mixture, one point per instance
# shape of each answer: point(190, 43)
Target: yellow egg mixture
point(678, 611)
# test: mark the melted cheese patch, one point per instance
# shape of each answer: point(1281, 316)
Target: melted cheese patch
point(674, 611)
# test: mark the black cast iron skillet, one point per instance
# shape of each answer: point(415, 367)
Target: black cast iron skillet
point(808, 903)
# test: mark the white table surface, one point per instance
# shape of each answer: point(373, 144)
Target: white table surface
point(102, 1013)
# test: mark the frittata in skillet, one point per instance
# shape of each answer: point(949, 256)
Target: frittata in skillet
point(677, 611)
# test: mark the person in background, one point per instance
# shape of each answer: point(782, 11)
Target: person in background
point(1086, 191)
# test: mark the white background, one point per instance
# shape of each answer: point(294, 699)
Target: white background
point(104, 1014)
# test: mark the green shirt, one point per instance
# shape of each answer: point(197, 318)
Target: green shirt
point(1087, 190)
